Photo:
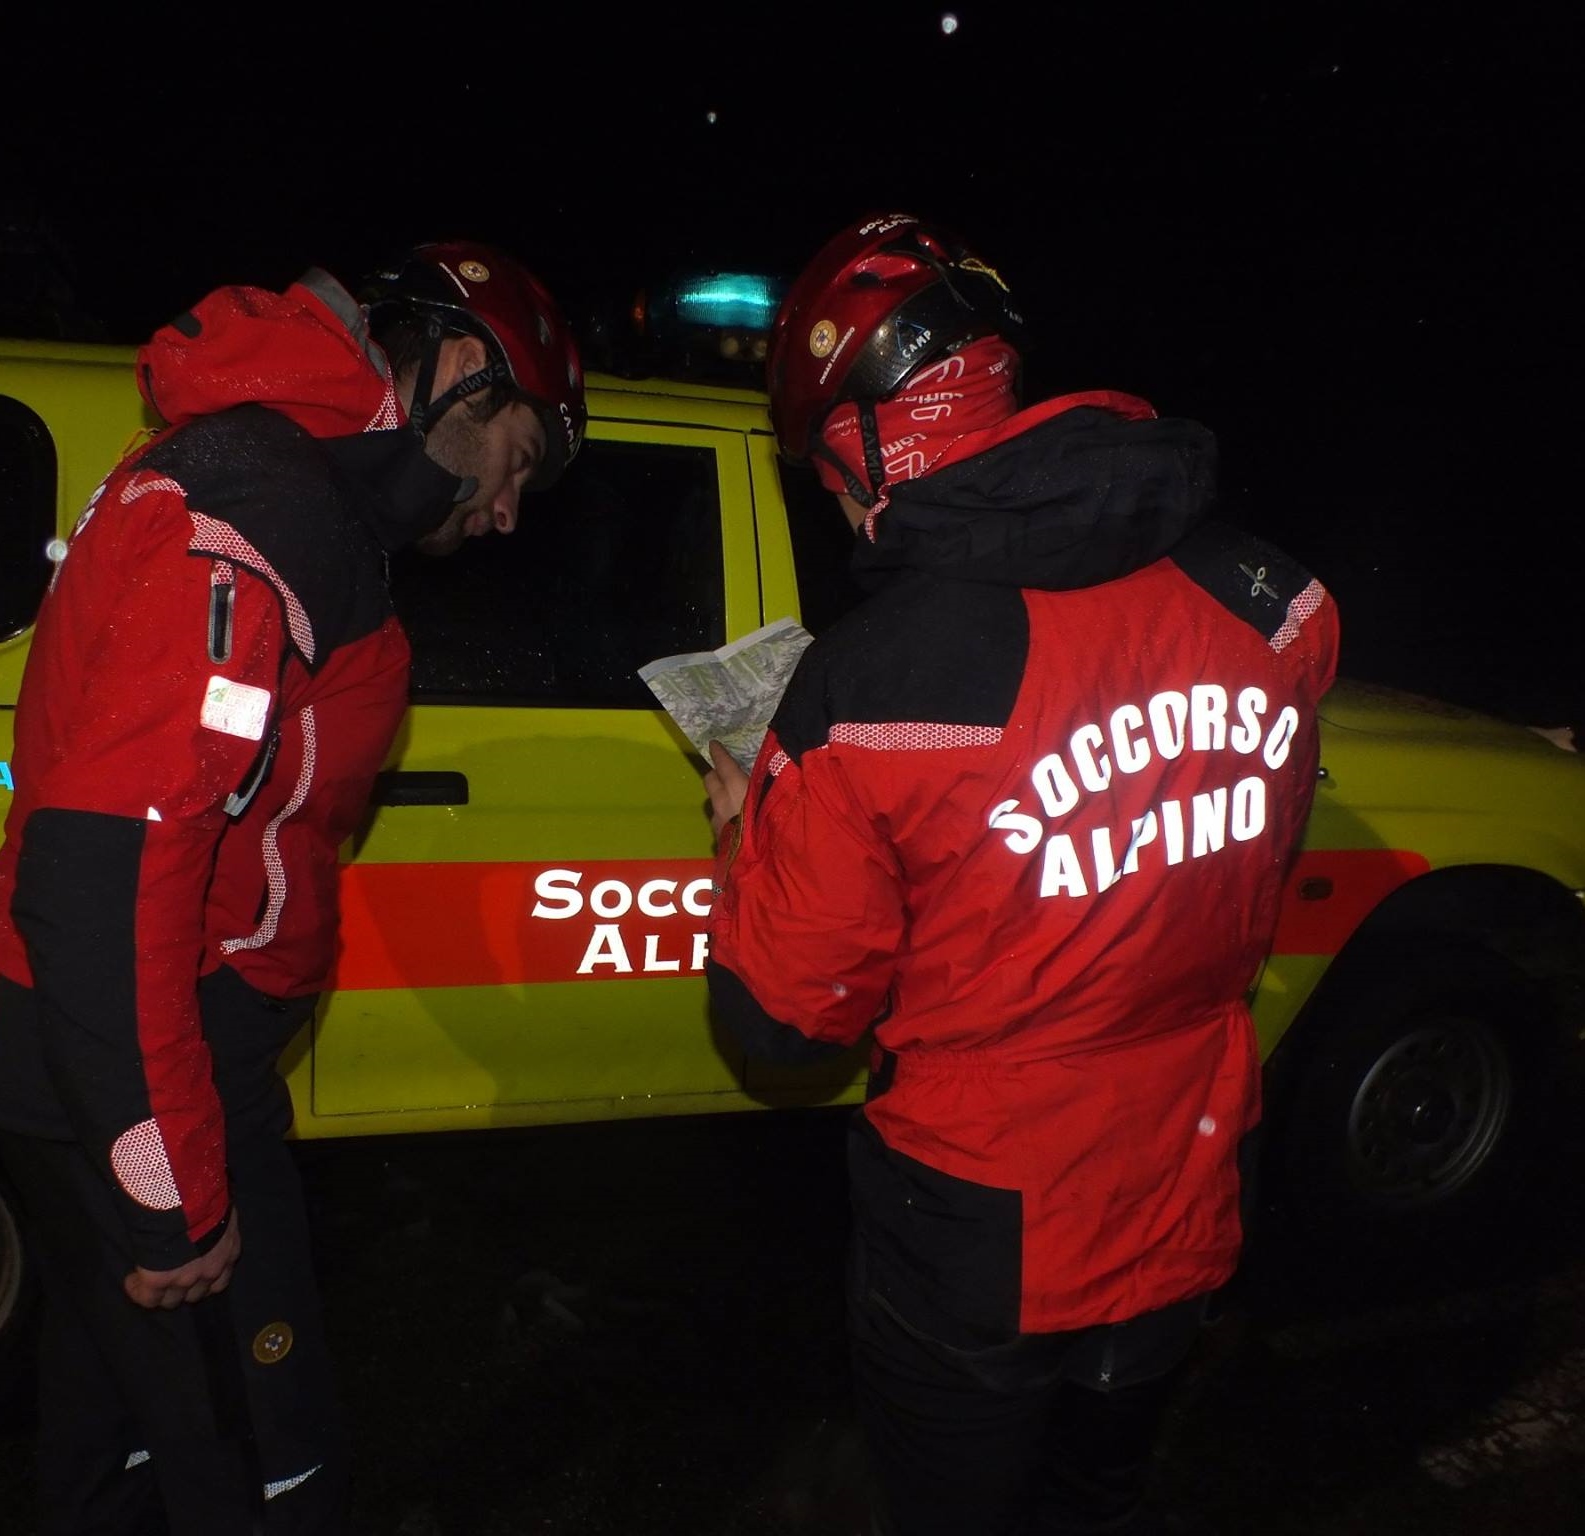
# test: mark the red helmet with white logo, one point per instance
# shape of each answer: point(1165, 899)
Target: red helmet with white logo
point(881, 299)
point(481, 290)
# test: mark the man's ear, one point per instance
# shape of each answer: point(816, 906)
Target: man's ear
point(459, 356)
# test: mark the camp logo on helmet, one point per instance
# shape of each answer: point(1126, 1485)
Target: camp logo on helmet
point(477, 272)
point(974, 264)
point(822, 338)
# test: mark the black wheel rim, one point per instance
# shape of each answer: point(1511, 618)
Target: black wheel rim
point(1430, 1112)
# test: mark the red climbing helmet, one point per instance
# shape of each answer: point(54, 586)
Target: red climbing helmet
point(881, 299)
point(481, 290)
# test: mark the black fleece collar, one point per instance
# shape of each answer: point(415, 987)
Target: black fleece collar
point(393, 486)
point(1080, 498)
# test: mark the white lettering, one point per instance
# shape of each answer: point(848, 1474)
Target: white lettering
point(646, 898)
point(1199, 719)
point(1208, 717)
point(1280, 737)
point(558, 885)
point(1210, 822)
point(701, 951)
point(611, 898)
point(1061, 871)
point(652, 960)
point(1106, 871)
point(1094, 776)
point(1168, 714)
point(1054, 784)
point(1023, 831)
point(1172, 830)
point(606, 948)
point(691, 894)
point(1144, 833)
point(1131, 753)
point(1245, 736)
point(887, 222)
point(1249, 809)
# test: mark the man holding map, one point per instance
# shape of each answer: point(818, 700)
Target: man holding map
point(1023, 817)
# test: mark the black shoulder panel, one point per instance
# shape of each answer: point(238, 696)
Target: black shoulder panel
point(258, 472)
point(923, 649)
point(1246, 575)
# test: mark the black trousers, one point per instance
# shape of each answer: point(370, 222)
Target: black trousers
point(1045, 1435)
point(215, 1419)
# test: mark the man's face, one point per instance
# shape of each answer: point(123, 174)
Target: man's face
point(501, 453)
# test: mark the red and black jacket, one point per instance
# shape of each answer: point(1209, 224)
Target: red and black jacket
point(215, 678)
point(1026, 813)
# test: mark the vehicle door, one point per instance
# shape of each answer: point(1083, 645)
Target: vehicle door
point(523, 912)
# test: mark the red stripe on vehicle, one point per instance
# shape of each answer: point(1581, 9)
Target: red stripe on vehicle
point(495, 924)
point(1331, 892)
point(487, 924)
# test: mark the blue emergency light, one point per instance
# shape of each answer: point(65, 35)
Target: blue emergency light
point(729, 301)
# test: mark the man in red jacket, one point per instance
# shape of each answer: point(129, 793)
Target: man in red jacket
point(216, 676)
point(1023, 815)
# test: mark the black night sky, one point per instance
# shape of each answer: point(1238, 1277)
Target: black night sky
point(1346, 237)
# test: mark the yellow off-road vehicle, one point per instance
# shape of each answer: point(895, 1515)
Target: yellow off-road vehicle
point(524, 908)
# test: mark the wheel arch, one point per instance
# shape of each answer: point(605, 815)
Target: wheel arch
point(1522, 914)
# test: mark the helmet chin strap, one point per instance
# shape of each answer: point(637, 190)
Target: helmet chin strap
point(874, 467)
point(424, 412)
point(870, 436)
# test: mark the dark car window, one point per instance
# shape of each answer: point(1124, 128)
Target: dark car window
point(27, 514)
point(618, 564)
point(822, 545)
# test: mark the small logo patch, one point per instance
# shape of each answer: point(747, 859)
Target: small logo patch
point(235, 709)
point(822, 338)
point(474, 271)
point(273, 1343)
point(1257, 583)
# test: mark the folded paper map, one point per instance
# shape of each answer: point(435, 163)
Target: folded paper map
point(729, 695)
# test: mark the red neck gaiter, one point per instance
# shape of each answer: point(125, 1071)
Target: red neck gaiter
point(967, 391)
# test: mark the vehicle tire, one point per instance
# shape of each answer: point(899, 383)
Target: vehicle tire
point(1422, 1094)
point(18, 1308)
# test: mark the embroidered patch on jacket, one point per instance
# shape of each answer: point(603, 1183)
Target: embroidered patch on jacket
point(235, 709)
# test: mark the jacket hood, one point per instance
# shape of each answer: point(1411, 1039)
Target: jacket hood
point(1070, 493)
point(305, 353)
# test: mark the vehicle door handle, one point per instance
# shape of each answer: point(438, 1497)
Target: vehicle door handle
point(439, 788)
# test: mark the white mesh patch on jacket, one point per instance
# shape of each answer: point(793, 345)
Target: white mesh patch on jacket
point(142, 1167)
point(286, 1484)
point(274, 864)
point(1298, 611)
point(914, 736)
